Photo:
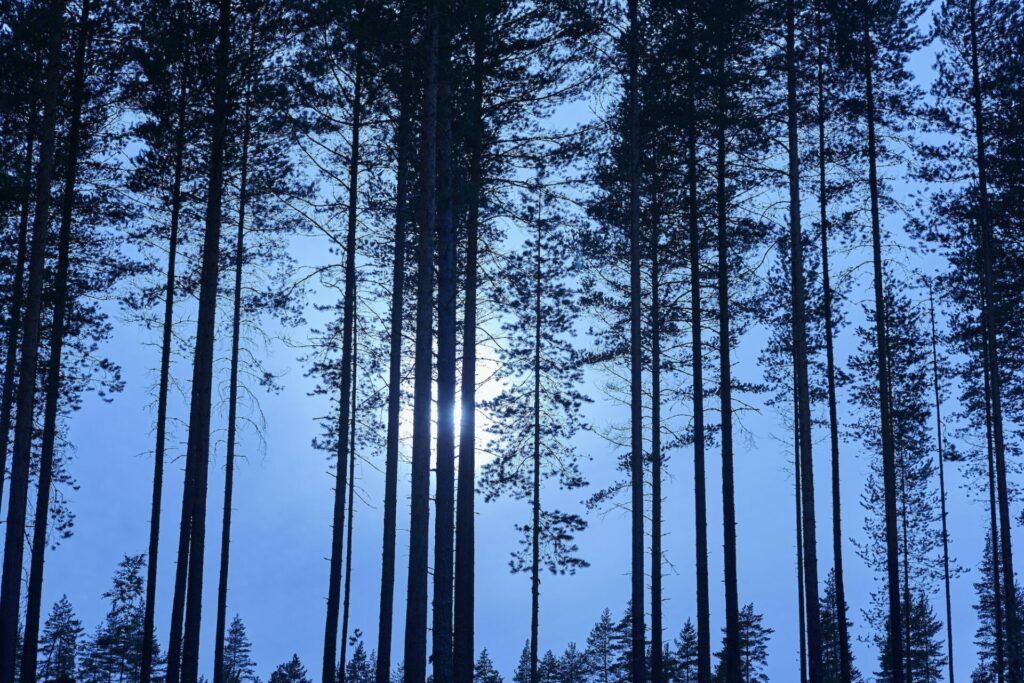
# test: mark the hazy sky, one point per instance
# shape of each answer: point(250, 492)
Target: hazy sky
point(283, 502)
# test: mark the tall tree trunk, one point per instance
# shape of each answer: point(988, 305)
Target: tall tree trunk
point(801, 604)
point(419, 524)
point(731, 662)
point(535, 497)
point(988, 251)
point(351, 506)
point(444, 496)
point(657, 652)
point(148, 625)
point(896, 644)
point(696, 317)
point(465, 523)
point(997, 594)
point(636, 462)
point(330, 662)
point(387, 578)
point(799, 324)
point(942, 485)
point(30, 643)
point(229, 463)
point(14, 318)
point(845, 665)
point(202, 373)
point(17, 502)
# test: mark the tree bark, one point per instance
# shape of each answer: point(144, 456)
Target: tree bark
point(330, 664)
point(988, 250)
point(896, 644)
point(17, 502)
point(799, 324)
point(202, 372)
point(30, 643)
point(444, 496)
point(801, 605)
point(229, 463)
point(942, 485)
point(845, 665)
point(465, 523)
point(535, 484)
point(14, 318)
point(419, 524)
point(387, 579)
point(997, 595)
point(731, 662)
point(148, 625)
point(696, 316)
point(351, 508)
point(636, 462)
point(657, 628)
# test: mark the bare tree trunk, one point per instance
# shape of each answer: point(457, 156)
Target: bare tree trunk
point(535, 498)
point(801, 605)
point(329, 668)
point(696, 318)
point(799, 324)
point(988, 250)
point(447, 244)
point(657, 628)
point(14, 318)
point(351, 506)
point(229, 464)
point(942, 485)
point(465, 523)
point(419, 525)
point(17, 502)
point(30, 644)
point(896, 644)
point(202, 373)
point(387, 579)
point(845, 666)
point(148, 627)
point(997, 594)
point(637, 630)
point(731, 662)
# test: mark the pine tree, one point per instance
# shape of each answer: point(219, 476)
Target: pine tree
point(361, 668)
point(753, 647)
point(832, 656)
point(484, 671)
point(59, 642)
point(291, 671)
point(685, 656)
point(601, 650)
point(572, 665)
point(238, 666)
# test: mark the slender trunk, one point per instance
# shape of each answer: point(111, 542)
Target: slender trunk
point(988, 252)
point(997, 594)
point(419, 524)
point(845, 666)
point(346, 602)
point(942, 486)
point(181, 575)
point(329, 669)
point(387, 579)
point(202, 373)
point(465, 511)
point(657, 652)
point(905, 552)
point(535, 498)
point(229, 464)
point(14, 319)
point(17, 502)
point(799, 323)
point(148, 626)
point(801, 605)
point(444, 497)
point(696, 316)
point(731, 661)
point(30, 643)
point(882, 353)
point(637, 630)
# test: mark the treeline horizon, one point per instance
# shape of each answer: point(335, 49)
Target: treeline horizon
point(527, 215)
